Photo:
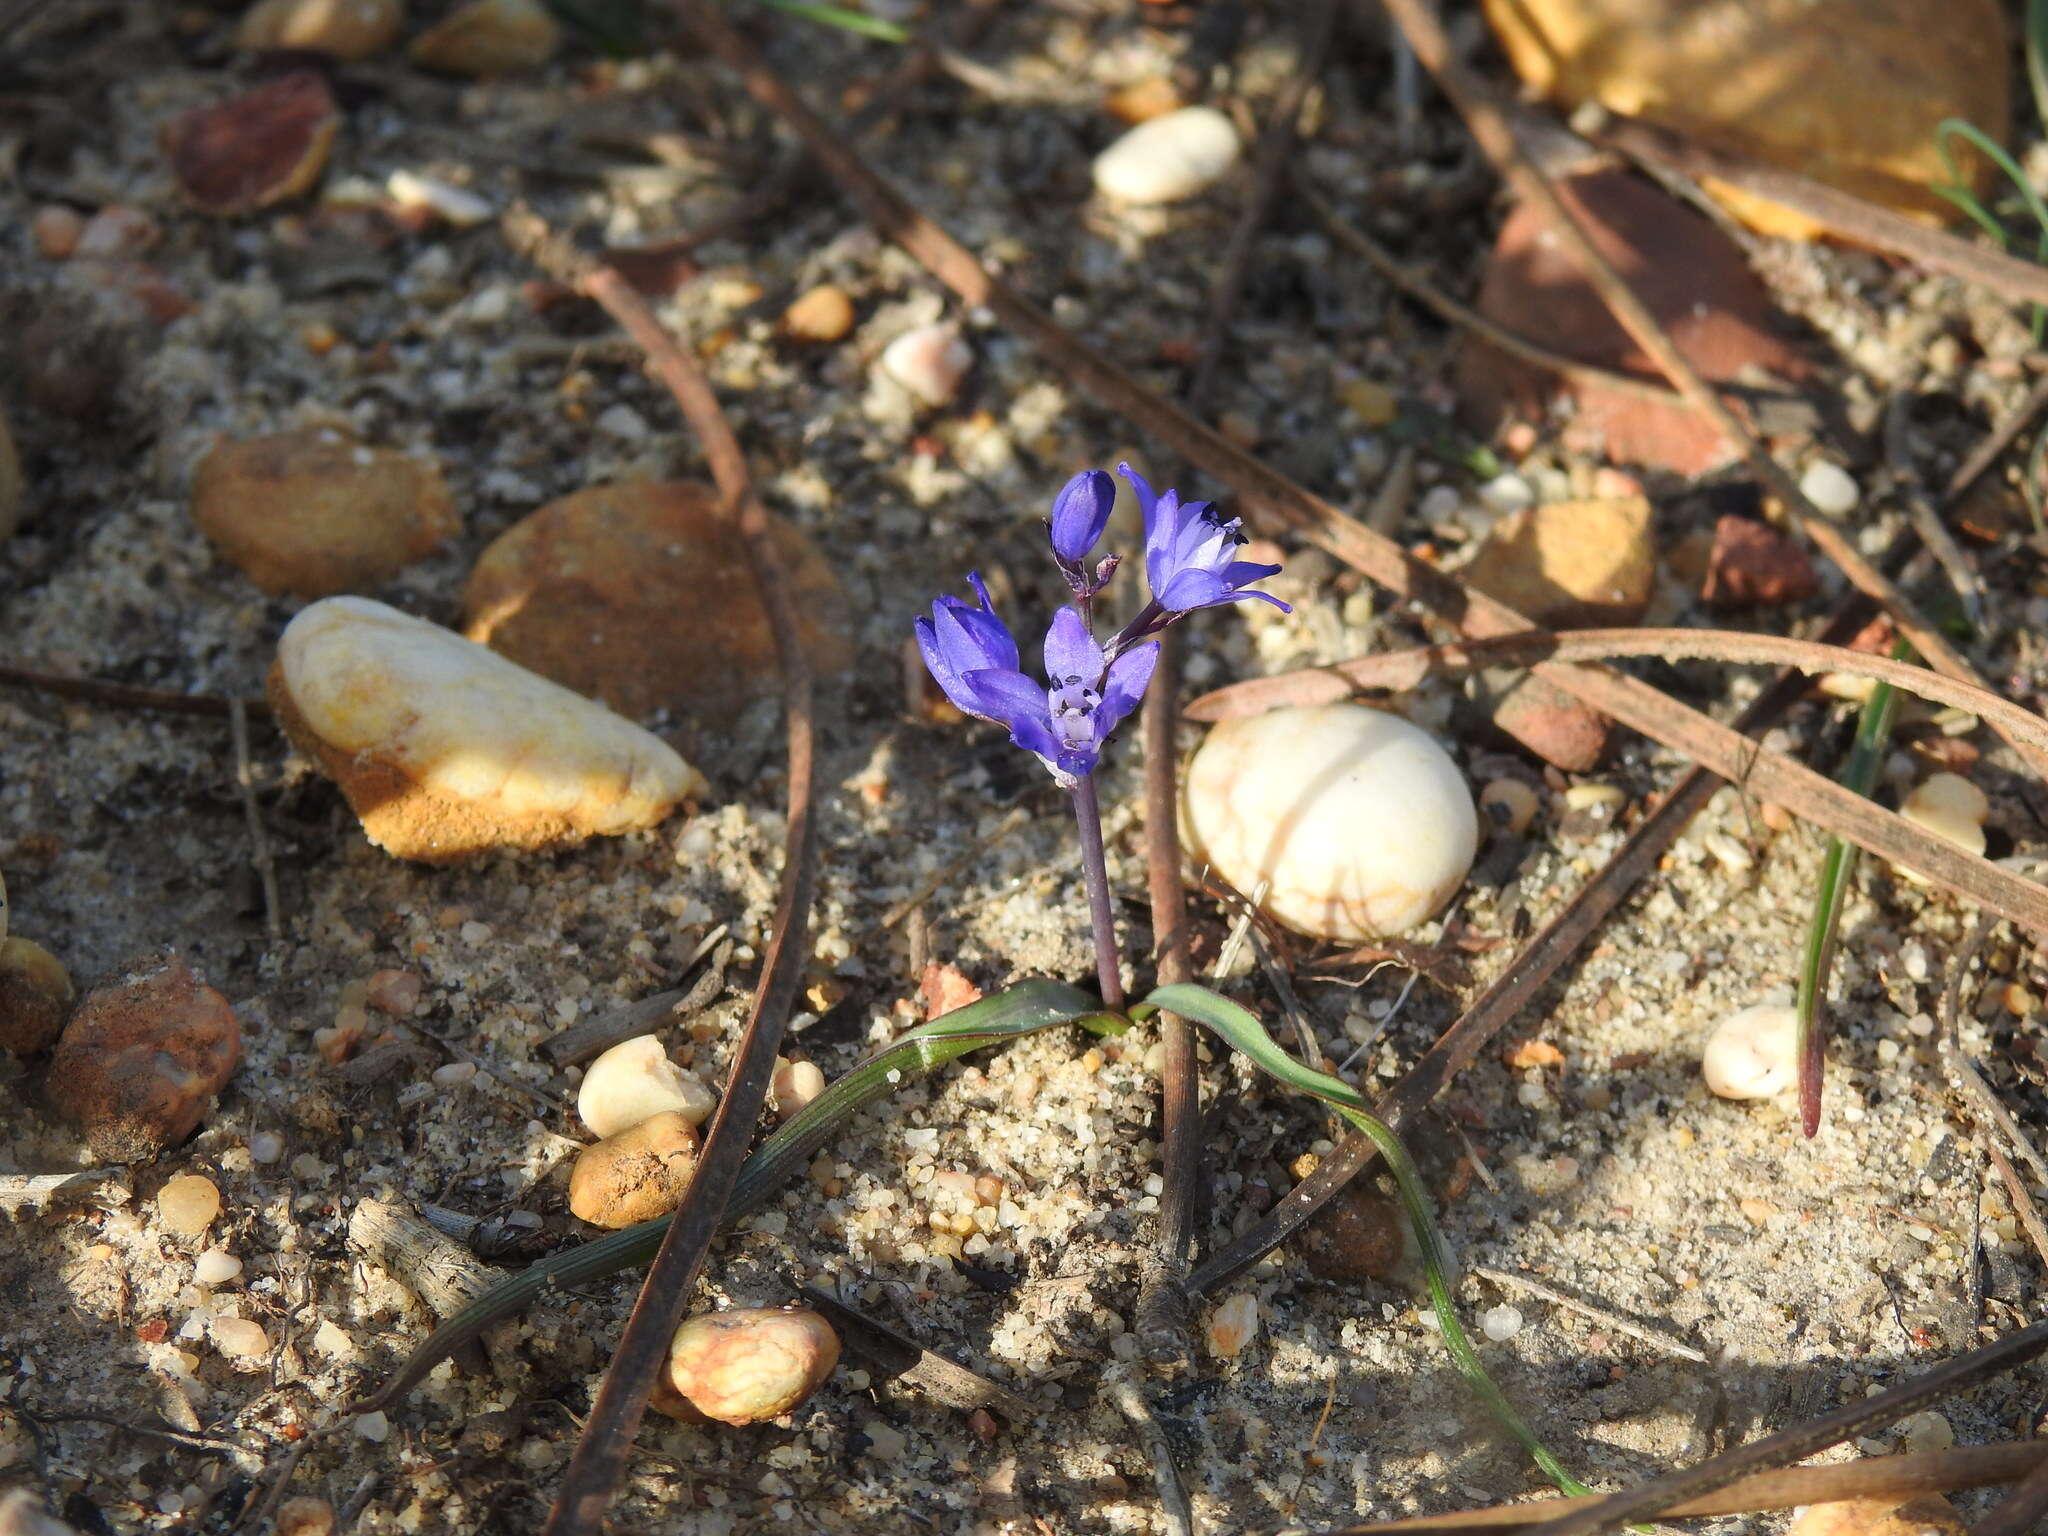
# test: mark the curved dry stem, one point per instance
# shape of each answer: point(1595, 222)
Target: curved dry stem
point(1409, 669)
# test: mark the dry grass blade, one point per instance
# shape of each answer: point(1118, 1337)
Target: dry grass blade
point(93, 690)
point(1976, 1466)
point(1263, 490)
point(1409, 669)
point(904, 1359)
point(1843, 213)
point(2020, 1511)
point(1416, 284)
point(614, 1418)
point(1490, 127)
point(1857, 1418)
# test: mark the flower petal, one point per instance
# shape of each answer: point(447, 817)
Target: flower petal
point(1001, 693)
point(1079, 514)
point(1148, 499)
point(940, 664)
point(1128, 676)
point(1070, 651)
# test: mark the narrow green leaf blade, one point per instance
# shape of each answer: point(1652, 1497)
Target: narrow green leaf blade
point(1241, 1030)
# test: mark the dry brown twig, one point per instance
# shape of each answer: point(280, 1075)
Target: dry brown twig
point(1408, 669)
point(1873, 1477)
point(1416, 284)
point(601, 1452)
point(1844, 214)
point(93, 690)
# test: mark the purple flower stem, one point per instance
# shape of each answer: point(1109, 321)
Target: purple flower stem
point(1095, 872)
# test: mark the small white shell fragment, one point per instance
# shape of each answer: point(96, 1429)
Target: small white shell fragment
point(1356, 823)
point(446, 749)
point(1829, 487)
point(1753, 1054)
point(373, 1427)
point(1233, 1325)
point(459, 207)
point(1169, 157)
point(929, 361)
point(216, 1266)
point(635, 1081)
point(266, 1147)
point(1500, 1323)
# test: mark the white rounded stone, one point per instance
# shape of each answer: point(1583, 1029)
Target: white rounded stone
point(216, 1266)
point(1501, 1323)
point(635, 1081)
point(1829, 487)
point(1753, 1054)
point(1950, 797)
point(445, 748)
point(1357, 822)
point(1169, 157)
point(930, 362)
point(1950, 807)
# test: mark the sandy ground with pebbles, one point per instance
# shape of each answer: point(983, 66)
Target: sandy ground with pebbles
point(1807, 1272)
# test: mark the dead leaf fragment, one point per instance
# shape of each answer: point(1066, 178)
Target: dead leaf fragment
point(255, 149)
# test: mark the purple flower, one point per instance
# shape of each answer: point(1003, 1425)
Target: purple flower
point(975, 661)
point(1079, 514)
point(962, 638)
point(1190, 552)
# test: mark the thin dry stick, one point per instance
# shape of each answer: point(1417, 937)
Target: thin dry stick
point(1844, 214)
point(1857, 1418)
point(1416, 284)
point(2022, 1200)
point(1173, 1493)
point(601, 1452)
point(259, 839)
point(1987, 453)
point(1409, 669)
point(1490, 127)
point(2020, 1511)
point(1875, 1477)
point(1800, 790)
point(93, 690)
point(1601, 1315)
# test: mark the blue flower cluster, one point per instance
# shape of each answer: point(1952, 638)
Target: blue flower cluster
point(1190, 562)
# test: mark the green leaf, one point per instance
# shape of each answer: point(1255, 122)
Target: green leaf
point(1838, 868)
point(1241, 1030)
point(1016, 1011)
point(845, 20)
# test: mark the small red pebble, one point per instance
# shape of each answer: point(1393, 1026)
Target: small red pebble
point(155, 1331)
point(1752, 565)
point(984, 1426)
point(943, 989)
point(56, 230)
